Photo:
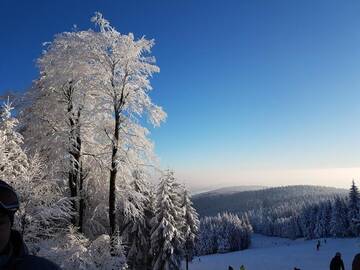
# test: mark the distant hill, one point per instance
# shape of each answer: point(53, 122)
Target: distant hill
point(228, 190)
point(235, 200)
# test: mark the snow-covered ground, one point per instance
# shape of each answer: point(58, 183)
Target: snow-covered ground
point(274, 253)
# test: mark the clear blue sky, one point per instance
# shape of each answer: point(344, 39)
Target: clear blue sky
point(247, 85)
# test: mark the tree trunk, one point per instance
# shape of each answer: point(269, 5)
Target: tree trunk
point(76, 176)
point(113, 174)
point(80, 173)
point(73, 191)
point(72, 169)
point(82, 200)
point(118, 106)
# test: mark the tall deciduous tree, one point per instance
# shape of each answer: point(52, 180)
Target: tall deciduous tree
point(57, 122)
point(123, 68)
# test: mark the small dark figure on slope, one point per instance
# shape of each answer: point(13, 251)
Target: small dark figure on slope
point(318, 245)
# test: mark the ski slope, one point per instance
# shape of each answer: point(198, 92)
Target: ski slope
point(274, 253)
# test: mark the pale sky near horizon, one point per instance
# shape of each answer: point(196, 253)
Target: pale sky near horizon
point(329, 177)
point(257, 92)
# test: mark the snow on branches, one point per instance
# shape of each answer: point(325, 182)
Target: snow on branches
point(88, 153)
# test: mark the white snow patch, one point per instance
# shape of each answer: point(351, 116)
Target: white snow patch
point(281, 254)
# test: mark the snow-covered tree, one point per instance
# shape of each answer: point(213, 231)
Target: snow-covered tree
point(57, 121)
point(322, 226)
point(103, 258)
point(206, 243)
point(223, 233)
point(72, 250)
point(166, 236)
point(2, 149)
point(97, 86)
point(137, 228)
point(13, 162)
point(339, 219)
point(123, 68)
point(191, 226)
point(84, 118)
point(354, 211)
point(44, 210)
point(69, 250)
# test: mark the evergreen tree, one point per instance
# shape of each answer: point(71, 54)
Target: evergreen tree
point(138, 231)
point(223, 233)
point(13, 162)
point(354, 214)
point(322, 226)
point(150, 218)
point(191, 226)
point(339, 220)
point(166, 238)
point(327, 216)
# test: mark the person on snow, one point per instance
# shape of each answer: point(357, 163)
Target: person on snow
point(13, 251)
point(356, 262)
point(318, 245)
point(337, 263)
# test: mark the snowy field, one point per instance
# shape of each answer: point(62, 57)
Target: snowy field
point(281, 254)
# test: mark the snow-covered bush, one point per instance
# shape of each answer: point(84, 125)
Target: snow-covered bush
point(72, 250)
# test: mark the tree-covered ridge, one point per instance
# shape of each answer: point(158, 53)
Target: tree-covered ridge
point(311, 213)
point(335, 217)
point(280, 198)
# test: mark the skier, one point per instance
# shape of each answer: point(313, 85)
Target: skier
point(13, 251)
point(337, 263)
point(318, 245)
point(356, 262)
